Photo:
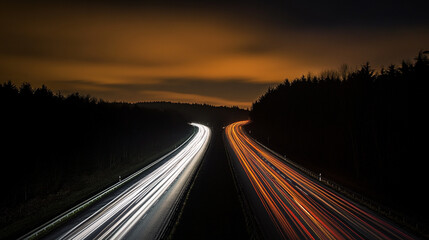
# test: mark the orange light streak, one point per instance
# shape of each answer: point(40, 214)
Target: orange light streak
point(298, 206)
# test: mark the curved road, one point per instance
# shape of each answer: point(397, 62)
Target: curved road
point(143, 208)
point(289, 205)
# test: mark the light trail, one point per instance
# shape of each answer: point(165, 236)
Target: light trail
point(117, 218)
point(299, 207)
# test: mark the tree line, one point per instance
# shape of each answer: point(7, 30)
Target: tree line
point(53, 143)
point(353, 126)
point(215, 117)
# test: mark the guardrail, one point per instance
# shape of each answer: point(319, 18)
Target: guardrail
point(396, 216)
point(43, 229)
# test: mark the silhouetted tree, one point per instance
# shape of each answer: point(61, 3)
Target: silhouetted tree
point(353, 126)
point(52, 143)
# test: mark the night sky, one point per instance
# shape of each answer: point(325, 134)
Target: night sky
point(215, 52)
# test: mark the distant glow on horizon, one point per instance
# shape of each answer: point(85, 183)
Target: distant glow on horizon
point(130, 55)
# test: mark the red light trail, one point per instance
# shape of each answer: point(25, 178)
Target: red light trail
point(300, 207)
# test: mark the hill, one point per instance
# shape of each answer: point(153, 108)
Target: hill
point(214, 116)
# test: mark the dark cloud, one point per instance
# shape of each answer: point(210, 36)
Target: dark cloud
point(363, 13)
point(57, 43)
point(305, 13)
point(310, 13)
point(240, 90)
point(223, 50)
point(253, 49)
point(229, 89)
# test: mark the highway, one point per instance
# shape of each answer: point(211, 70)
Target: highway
point(142, 209)
point(286, 204)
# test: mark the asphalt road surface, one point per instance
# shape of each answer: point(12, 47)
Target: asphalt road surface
point(287, 204)
point(143, 207)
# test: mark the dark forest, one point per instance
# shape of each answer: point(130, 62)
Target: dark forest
point(354, 127)
point(59, 148)
point(214, 117)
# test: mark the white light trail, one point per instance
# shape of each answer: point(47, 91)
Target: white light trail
point(120, 215)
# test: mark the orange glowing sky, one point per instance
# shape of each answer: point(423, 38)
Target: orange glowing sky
point(201, 54)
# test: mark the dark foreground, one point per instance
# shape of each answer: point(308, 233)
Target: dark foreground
point(212, 209)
